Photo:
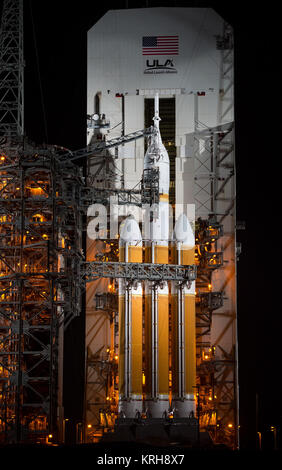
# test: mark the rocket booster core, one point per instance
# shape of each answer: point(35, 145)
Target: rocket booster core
point(183, 325)
point(130, 324)
point(157, 295)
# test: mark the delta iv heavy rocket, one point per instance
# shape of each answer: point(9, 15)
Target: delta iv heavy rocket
point(144, 383)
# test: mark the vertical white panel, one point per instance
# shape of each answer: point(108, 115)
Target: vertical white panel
point(184, 117)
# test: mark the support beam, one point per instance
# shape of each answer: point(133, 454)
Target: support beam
point(137, 271)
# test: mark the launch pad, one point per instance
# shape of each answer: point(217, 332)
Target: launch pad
point(157, 431)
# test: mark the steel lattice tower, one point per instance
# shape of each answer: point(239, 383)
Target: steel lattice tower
point(11, 69)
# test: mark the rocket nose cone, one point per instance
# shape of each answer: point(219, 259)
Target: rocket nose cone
point(183, 231)
point(129, 230)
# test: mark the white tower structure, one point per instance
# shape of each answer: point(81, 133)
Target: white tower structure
point(185, 57)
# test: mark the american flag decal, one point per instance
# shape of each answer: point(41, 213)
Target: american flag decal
point(160, 45)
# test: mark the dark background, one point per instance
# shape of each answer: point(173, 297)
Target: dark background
point(55, 110)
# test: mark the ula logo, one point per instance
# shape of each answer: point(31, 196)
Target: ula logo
point(155, 66)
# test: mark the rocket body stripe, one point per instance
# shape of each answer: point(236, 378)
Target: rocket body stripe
point(183, 325)
point(130, 325)
point(121, 361)
point(157, 340)
point(163, 369)
point(190, 349)
point(136, 384)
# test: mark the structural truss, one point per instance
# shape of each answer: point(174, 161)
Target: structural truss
point(40, 288)
point(11, 69)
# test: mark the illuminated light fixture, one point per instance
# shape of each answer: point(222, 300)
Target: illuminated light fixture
point(2, 158)
point(108, 398)
point(50, 436)
point(230, 425)
point(89, 426)
point(116, 357)
point(37, 218)
point(209, 286)
point(36, 190)
point(210, 398)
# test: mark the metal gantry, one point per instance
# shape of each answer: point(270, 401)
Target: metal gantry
point(102, 146)
point(226, 102)
point(40, 288)
point(214, 169)
point(11, 69)
point(138, 271)
point(216, 254)
point(147, 192)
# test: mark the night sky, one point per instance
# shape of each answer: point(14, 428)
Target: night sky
point(55, 111)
